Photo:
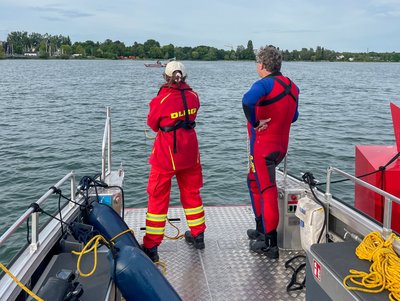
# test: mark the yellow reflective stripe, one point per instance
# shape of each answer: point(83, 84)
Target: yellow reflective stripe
point(162, 100)
point(196, 222)
point(156, 217)
point(172, 158)
point(191, 211)
point(155, 230)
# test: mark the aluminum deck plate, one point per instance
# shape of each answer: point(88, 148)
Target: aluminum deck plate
point(225, 269)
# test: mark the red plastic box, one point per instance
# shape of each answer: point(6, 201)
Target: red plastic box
point(370, 158)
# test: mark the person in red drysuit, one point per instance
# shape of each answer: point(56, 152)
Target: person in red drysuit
point(270, 107)
point(175, 153)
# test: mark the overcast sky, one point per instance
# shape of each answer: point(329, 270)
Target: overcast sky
point(340, 25)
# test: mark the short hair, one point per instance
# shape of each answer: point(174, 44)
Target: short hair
point(270, 57)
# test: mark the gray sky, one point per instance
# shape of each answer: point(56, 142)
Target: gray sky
point(340, 25)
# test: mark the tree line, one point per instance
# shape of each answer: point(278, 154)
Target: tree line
point(22, 44)
point(19, 44)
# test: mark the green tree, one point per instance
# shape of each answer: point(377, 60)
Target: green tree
point(211, 54)
point(108, 49)
point(98, 53)
point(90, 47)
point(395, 57)
point(2, 53)
point(249, 53)
point(185, 54)
point(149, 44)
point(138, 50)
point(15, 42)
point(240, 52)
point(77, 48)
point(168, 51)
point(34, 41)
point(66, 51)
point(195, 55)
point(202, 51)
point(155, 52)
point(180, 54)
point(43, 54)
point(118, 48)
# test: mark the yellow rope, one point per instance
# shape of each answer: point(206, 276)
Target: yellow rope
point(177, 236)
point(384, 270)
point(20, 284)
point(148, 136)
point(122, 233)
point(87, 249)
point(163, 266)
point(92, 245)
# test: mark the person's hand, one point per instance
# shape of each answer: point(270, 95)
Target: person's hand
point(263, 124)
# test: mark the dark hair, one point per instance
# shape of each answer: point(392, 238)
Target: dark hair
point(270, 57)
point(176, 78)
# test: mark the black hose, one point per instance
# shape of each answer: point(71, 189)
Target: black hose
point(309, 179)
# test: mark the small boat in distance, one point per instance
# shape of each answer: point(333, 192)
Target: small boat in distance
point(157, 64)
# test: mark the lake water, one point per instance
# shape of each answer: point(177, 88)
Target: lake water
point(52, 116)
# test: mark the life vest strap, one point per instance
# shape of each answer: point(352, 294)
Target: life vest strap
point(181, 124)
point(287, 91)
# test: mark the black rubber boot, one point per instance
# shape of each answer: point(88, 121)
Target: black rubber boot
point(152, 253)
point(258, 232)
point(198, 241)
point(268, 247)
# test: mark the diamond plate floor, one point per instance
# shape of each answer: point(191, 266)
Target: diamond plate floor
point(225, 269)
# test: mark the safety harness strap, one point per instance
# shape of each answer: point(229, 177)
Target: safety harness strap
point(180, 124)
point(287, 91)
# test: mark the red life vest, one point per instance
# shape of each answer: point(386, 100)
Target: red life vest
point(172, 115)
point(280, 105)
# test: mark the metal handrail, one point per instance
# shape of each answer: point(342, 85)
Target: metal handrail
point(31, 211)
point(106, 144)
point(389, 198)
point(70, 176)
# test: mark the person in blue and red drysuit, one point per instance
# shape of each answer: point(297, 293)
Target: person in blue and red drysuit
point(270, 107)
point(175, 153)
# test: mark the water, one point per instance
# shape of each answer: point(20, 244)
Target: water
point(53, 112)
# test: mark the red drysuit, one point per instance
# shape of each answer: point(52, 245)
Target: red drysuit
point(172, 115)
point(275, 97)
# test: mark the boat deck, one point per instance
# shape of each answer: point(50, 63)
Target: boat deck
point(225, 269)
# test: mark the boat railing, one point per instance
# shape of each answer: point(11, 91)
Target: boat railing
point(106, 161)
point(388, 198)
point(106, 147)
point(31, 211)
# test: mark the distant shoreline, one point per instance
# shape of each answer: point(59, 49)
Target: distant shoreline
point(22, 45)
point(10, 58)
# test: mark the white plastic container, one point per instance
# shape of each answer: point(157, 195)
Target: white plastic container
point(311, 216)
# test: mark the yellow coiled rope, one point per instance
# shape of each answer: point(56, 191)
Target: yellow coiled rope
point(92, 245)
point(178, 235)
point(20, 284)
point(384, 272)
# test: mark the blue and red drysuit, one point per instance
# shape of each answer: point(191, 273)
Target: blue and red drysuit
point(274, 96)
point(175, 153)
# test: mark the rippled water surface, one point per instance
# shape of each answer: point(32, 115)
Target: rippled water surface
point(53, 112)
